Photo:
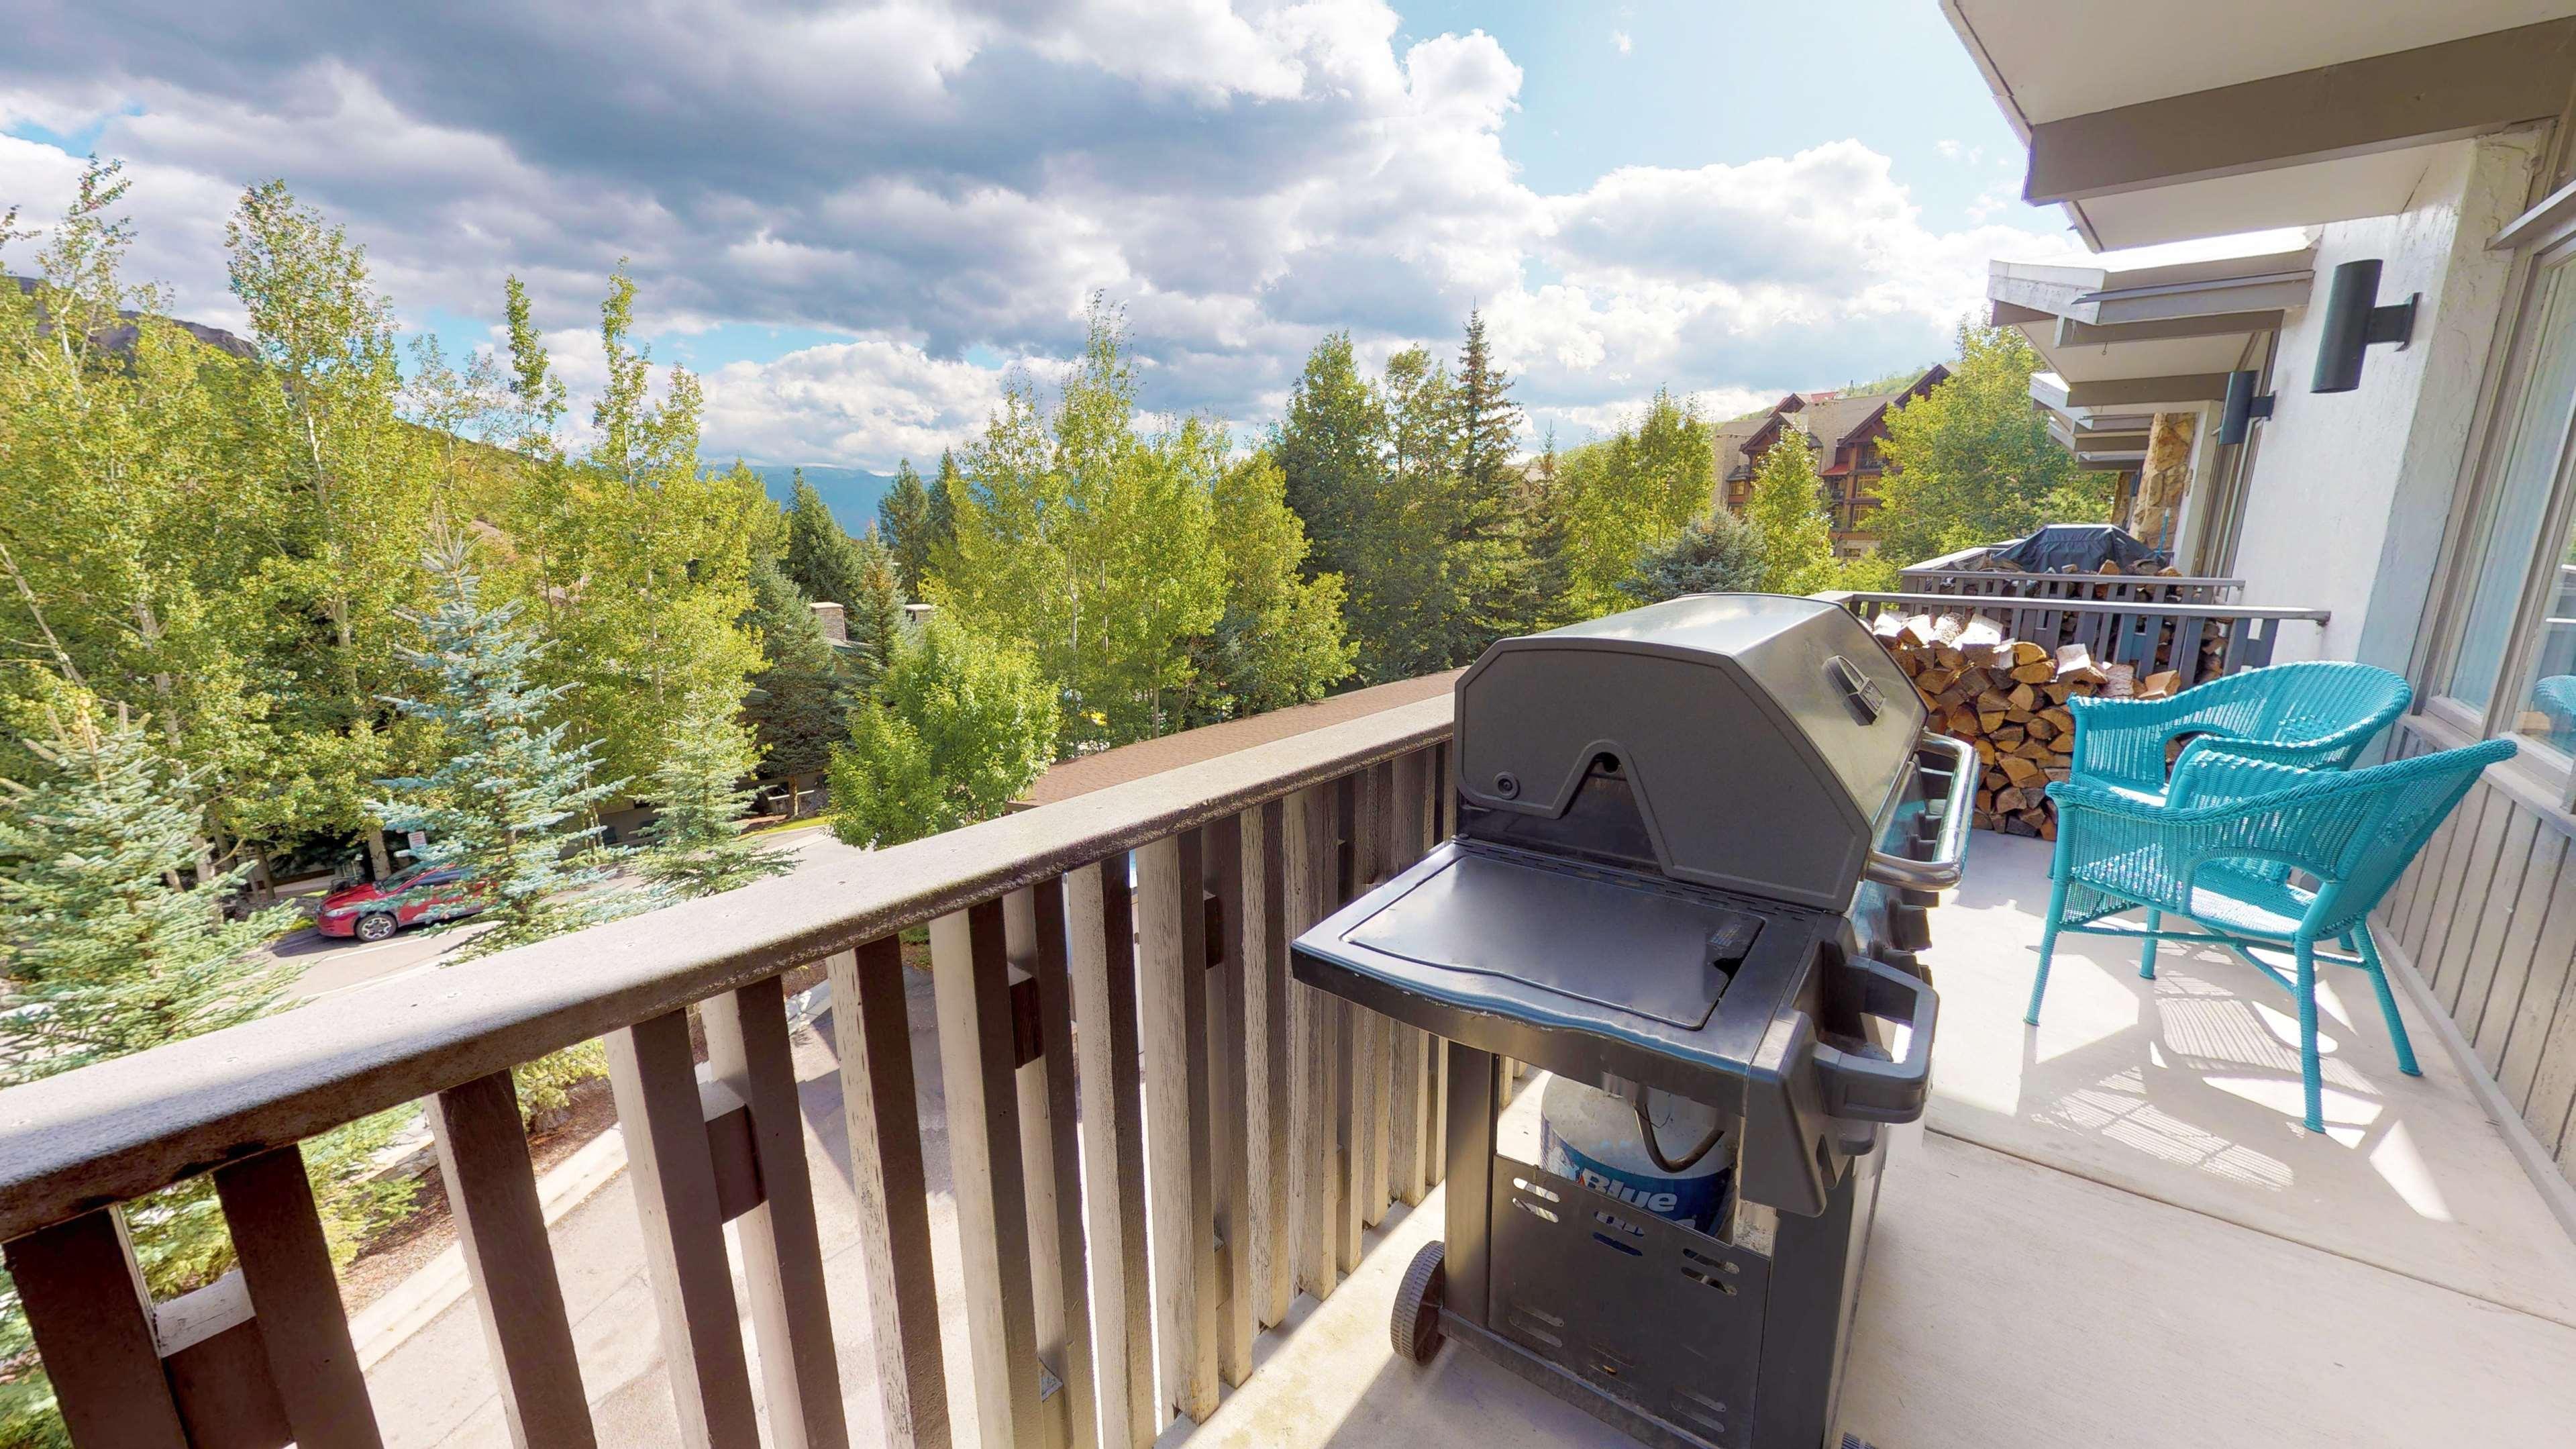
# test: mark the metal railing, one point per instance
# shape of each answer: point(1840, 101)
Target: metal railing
point(1081, 954)
point(2194, 640)
point(2118, 588)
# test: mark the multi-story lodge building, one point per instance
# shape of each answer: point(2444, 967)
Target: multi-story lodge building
point(1844, 428)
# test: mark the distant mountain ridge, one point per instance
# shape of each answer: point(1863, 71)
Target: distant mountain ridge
point(851, 493)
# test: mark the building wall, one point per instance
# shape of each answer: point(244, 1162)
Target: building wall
point(2351, 490)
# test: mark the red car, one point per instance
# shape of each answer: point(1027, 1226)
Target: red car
point(410, 897)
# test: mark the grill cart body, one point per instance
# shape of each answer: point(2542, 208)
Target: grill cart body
point(1693, 846)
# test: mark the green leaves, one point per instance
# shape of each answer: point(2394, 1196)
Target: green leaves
point(1973, 463)
point(1787, 505)
point(1627, 492)
point(964, 724)
point(1090, 545)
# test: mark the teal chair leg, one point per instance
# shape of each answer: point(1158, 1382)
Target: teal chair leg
point(2387, 1003)
point(2310, 1077)
point(2147, 957)
point(2047, 947)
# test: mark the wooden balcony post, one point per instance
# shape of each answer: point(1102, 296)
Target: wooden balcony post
point(782, 1249)
point(654, 1080)
point(501, 1231)
point(886, 1179)
point(1241, 1056)
point(295, 1297)
point(1055, 1035)
point(92, 1319)
point(970, 974)
point(1268, 1104)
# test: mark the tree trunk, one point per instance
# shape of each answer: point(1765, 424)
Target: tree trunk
point(377, 856)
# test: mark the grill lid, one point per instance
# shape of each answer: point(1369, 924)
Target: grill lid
point(1745, 741)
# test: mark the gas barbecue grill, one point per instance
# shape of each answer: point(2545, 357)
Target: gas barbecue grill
point(1694, 846)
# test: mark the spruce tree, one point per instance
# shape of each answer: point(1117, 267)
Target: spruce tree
point(697, 845)
point(103, 954)
point(823, 559)
point(903, 521)
point(799, 704)
point(1488, 421)
point(944, 487)
point(874, 612)
point(1716, 553)
point(510, 802)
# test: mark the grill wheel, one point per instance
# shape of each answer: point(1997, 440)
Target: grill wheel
point(1415, 1325)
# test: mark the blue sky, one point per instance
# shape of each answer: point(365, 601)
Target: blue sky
point(851, 219)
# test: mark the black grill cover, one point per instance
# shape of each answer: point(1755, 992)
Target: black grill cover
point(2087, 546)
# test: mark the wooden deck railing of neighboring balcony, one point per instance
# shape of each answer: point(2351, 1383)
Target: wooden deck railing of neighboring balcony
point(2193, 640)
point(1281, 1122)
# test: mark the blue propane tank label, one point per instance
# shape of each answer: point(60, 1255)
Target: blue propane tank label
point(1694, 1200)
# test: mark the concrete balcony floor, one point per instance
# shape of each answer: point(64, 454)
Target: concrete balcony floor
point(2114, 1232)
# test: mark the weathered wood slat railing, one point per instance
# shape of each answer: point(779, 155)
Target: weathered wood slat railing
point(2124, 588)
point(2153, 636)
point(1150, 1032)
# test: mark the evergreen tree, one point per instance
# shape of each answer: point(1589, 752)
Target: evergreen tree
point(696, 843)
point(903, 521)
point(823, 559)
point(102, 956)
point(1331, 455)
point(1487, 546)
point(1715, 553)
point(1972, 463)
point(874, 614)
point(944, 487)
point(1788, 505)
point(510, 802)
point(800, 701)
point(964, 725)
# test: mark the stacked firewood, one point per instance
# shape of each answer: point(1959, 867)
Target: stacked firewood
point(2008, 698)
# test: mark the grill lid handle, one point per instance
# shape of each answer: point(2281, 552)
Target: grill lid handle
point(1950, 853)
point(1860, 1088)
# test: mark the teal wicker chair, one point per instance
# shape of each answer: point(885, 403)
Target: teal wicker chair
point(2315, 715)
point(2220, 852)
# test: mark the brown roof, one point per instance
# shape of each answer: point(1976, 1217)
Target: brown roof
point(1086, 773)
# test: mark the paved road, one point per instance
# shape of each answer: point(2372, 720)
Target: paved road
point(337, 964)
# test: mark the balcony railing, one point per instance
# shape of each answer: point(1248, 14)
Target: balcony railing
point(2195, 641)
point(1935, 578)
point(1112, 990)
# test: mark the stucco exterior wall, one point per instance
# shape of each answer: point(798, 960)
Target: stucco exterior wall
point(2351, 490)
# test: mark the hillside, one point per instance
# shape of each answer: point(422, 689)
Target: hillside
point(851, 493)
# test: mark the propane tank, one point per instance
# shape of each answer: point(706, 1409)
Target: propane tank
point(1593, 1137)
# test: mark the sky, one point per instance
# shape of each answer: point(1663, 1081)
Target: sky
point(854, 221)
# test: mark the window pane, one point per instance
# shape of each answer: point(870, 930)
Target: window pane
point(2521, 502)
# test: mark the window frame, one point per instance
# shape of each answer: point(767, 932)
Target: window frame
point(2518, 350)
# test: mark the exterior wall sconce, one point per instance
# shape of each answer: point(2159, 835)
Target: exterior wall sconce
point(2243, 407)
point(2354, 322)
